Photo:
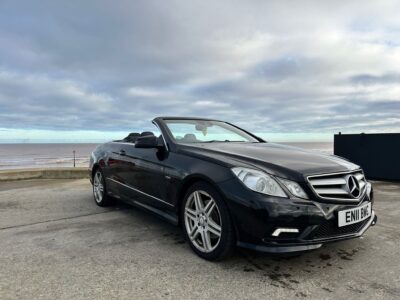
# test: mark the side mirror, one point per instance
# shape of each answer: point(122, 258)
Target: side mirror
point(150, 141)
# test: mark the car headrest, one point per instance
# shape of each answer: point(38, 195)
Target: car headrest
point(132, 137)
point(146, 133)
point(189, 137)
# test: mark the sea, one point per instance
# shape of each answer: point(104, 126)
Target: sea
point(21, 156)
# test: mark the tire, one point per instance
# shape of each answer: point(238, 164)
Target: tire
point(207, 223)
point(100, 190)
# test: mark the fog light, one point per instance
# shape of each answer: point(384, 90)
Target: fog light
point(278, 231)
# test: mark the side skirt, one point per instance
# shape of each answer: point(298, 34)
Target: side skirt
point(170, 217)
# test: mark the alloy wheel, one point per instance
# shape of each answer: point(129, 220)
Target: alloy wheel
point(98, 187)
point(203, 221)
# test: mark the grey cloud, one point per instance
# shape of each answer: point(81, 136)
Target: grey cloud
point(368, 79)
point(269, 66)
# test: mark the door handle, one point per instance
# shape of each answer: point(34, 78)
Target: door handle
point(122, 152)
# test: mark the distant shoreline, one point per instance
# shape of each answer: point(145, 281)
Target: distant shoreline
point(60, 155)
point(101, 142)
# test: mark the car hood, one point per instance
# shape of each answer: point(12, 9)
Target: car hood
point(277, 159)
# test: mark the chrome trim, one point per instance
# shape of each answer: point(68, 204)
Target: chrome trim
point(139, 191)
point(330, 191)
point(336, 173)
point(123, 143)
point(133, 144)
point(329, 181)
point(315, 188)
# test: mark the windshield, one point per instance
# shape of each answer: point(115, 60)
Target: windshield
point(202, 131)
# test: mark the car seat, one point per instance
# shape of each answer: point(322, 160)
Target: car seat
point(132, 137)
point(189, 138)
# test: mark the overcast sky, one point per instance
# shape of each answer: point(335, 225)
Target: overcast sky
point(88, 70)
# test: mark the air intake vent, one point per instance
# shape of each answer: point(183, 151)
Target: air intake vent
point(339, 186)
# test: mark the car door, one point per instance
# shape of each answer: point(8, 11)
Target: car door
point(114, 166)
point(143, 175)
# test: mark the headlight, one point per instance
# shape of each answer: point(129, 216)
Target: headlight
point(294, 188)
point(259, 181)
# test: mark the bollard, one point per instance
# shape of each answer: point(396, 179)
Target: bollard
point(74, 157)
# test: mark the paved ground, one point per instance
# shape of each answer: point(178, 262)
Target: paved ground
point(56, 243)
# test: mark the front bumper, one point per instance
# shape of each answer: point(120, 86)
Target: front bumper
point(306, 246)
point(256, 217)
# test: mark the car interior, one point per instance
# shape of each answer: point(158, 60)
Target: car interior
point(133, 136)
point(188, 138)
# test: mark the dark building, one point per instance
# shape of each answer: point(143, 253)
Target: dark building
point(378, 154)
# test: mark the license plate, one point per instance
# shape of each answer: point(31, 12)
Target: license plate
point(354, 215)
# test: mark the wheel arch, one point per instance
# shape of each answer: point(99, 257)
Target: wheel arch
point(187, 183)
point(95, 167)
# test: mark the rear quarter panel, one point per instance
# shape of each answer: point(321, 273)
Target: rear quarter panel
point(99, 157)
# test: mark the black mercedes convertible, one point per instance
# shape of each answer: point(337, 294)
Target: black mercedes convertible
point(227, 187)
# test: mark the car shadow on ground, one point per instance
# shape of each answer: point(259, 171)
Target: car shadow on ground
point(280, 270)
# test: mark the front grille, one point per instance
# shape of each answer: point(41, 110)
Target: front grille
point(330, 229)
point(338, 186)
